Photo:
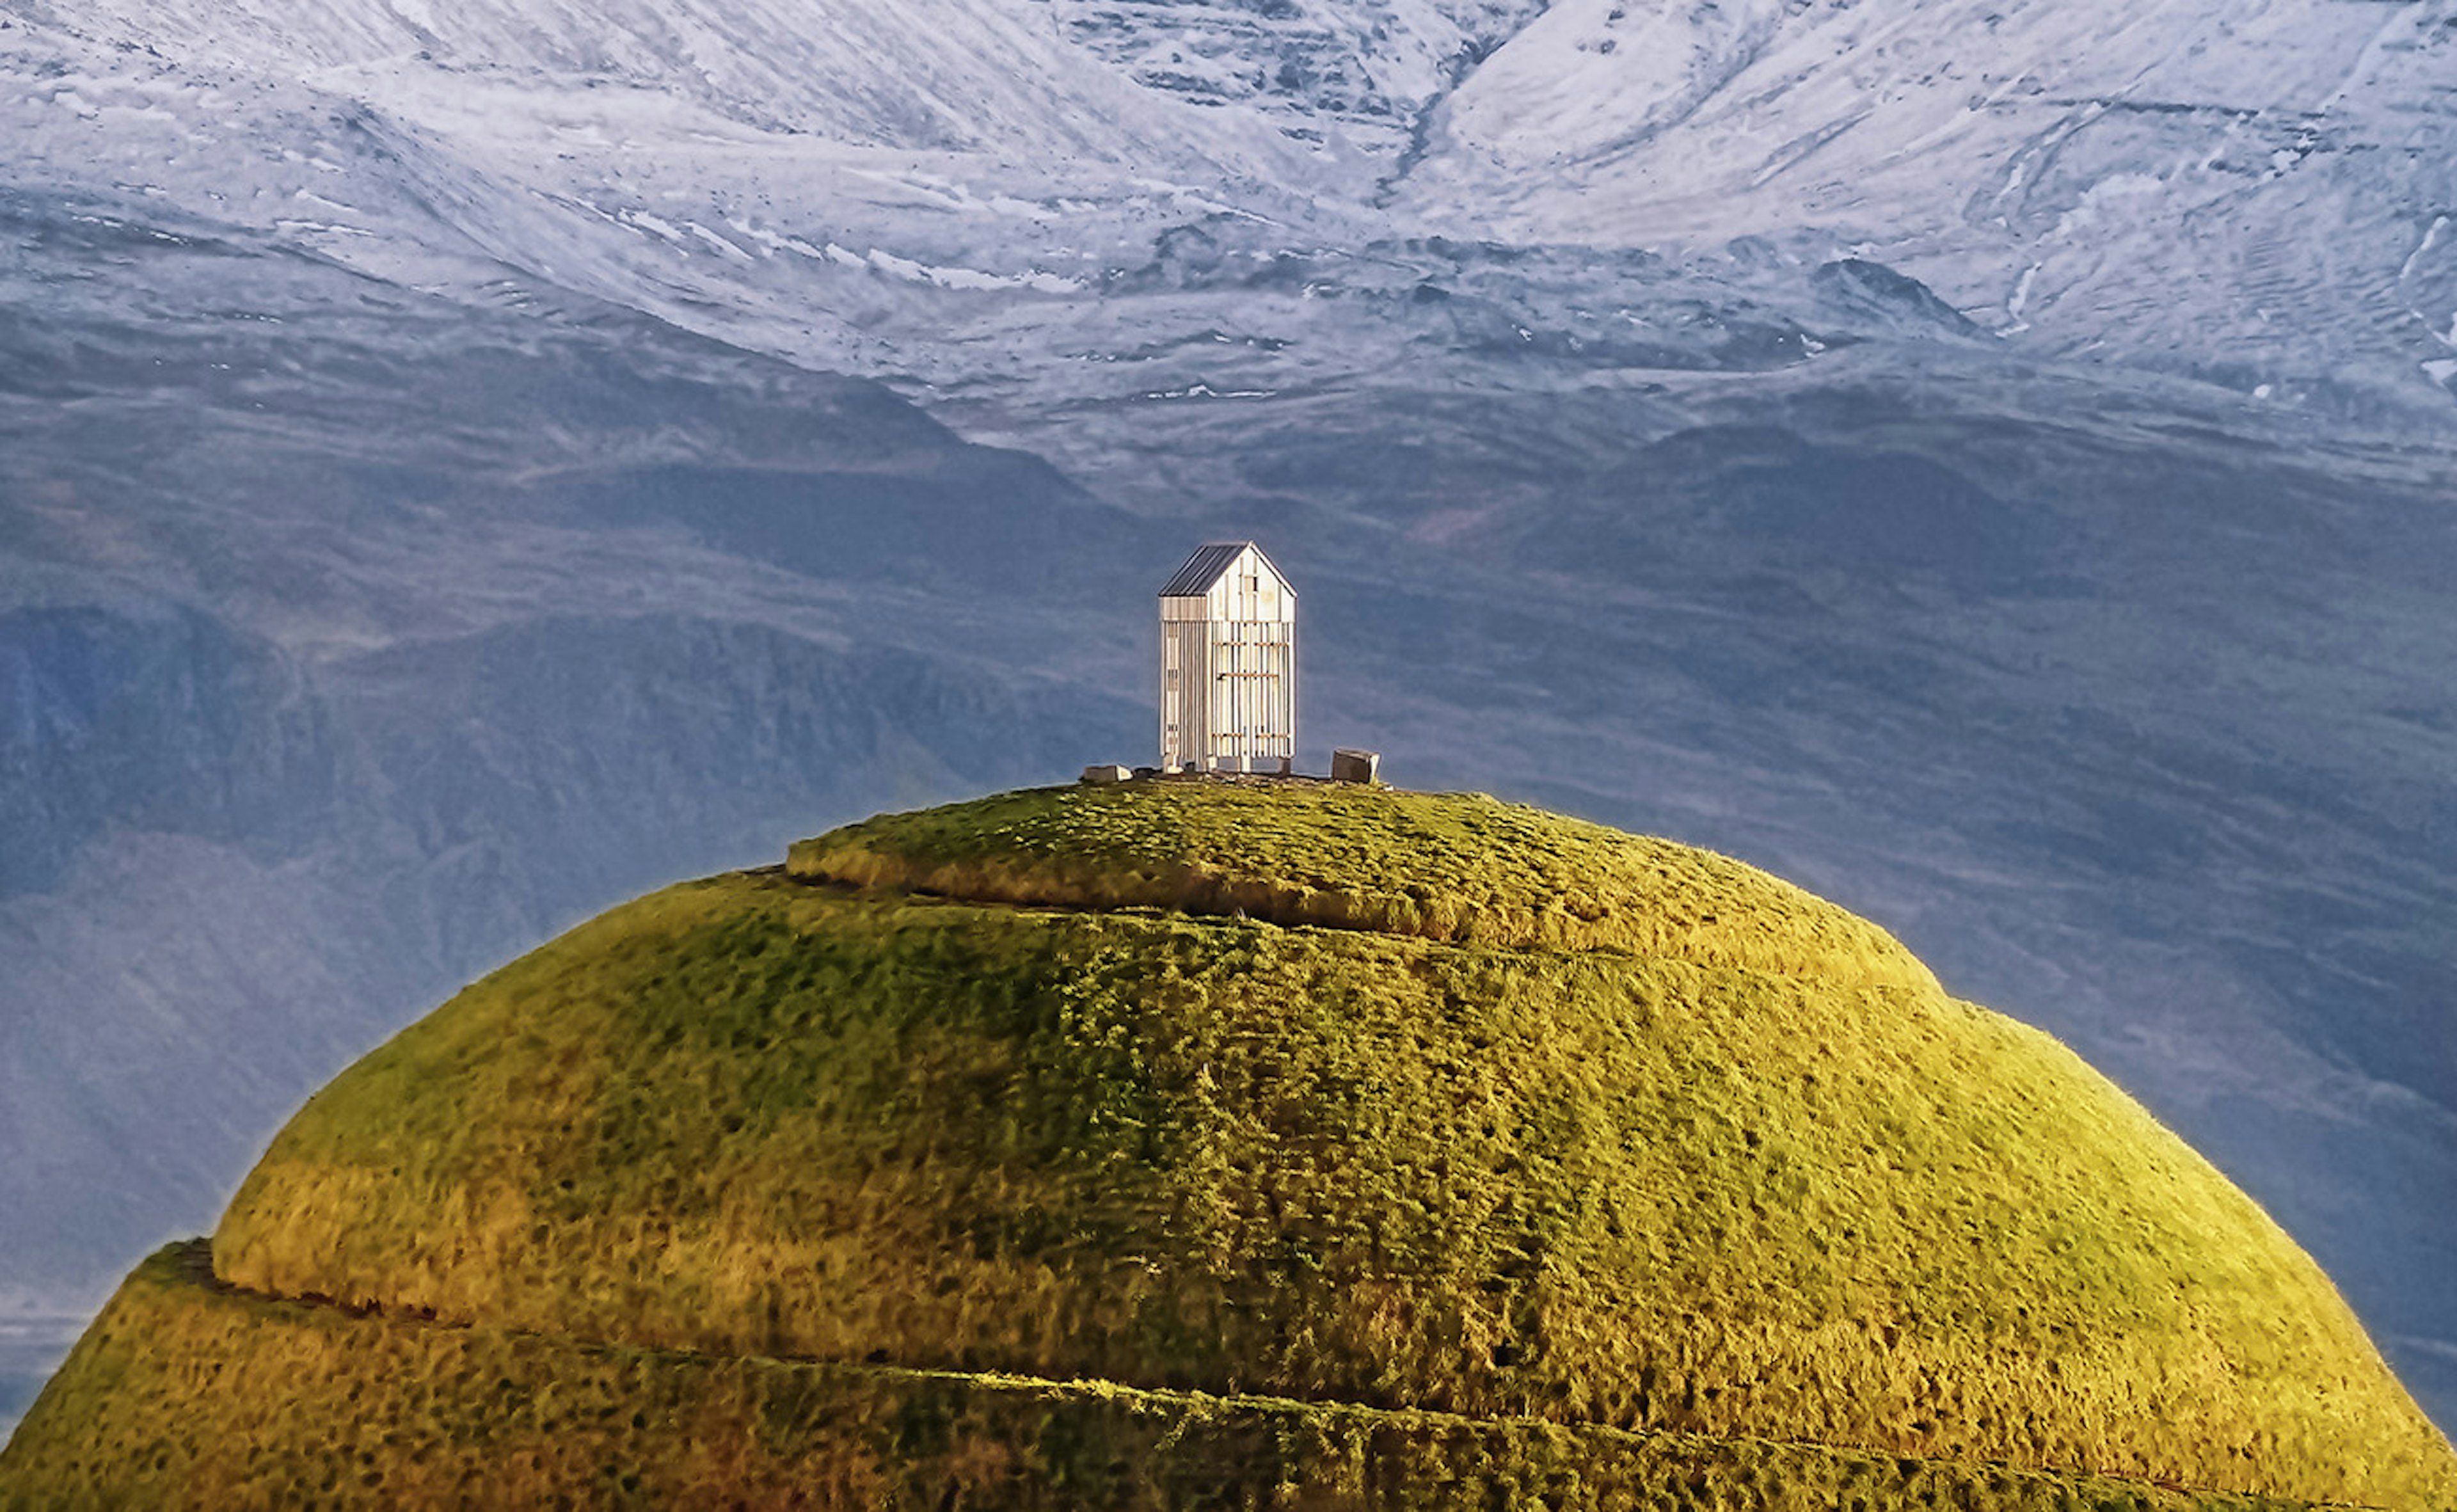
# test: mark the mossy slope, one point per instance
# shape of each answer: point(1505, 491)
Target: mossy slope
point(1460, 868)
point(184, 1396)
point(1762, 1184)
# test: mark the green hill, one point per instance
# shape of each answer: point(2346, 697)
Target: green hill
point(1336, 1147)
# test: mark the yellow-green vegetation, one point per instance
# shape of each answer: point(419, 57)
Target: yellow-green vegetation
point(1458, 868)
point(313, 1406)
point(1481, 1132)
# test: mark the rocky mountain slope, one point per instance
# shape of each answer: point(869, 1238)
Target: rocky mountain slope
point(2259, 195)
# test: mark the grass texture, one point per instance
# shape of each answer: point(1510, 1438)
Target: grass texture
point(1742, 1173)
point(187, 1396)
point(1460, 868)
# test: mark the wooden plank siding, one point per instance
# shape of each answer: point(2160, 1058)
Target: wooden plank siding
point(1228, 663)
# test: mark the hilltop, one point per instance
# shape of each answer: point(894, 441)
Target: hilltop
point(1111, 1147)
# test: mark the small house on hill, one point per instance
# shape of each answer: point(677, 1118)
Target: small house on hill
point(1228, 663)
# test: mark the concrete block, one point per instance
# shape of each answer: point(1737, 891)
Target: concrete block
point(1108, 772)
point(1355, 766)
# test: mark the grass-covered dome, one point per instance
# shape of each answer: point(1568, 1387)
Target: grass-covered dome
point(1096, 1145)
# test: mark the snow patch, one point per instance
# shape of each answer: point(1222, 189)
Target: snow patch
point(2019, 302)
point(881, 259)
point(641, 219)
point(718, 242)
point(1202, 390)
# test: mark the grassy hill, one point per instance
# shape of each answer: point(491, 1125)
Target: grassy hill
point(1462, 869)
point(316, 1406)
point(1448, 1122)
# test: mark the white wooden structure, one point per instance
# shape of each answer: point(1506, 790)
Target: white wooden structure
point(1228, 663)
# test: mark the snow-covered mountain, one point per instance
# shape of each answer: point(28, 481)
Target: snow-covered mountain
point(954, 76)
point(459, 465)
point(2254, 196)
point(2260, 190)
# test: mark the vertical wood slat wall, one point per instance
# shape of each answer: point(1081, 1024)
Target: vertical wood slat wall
point(1228, 671)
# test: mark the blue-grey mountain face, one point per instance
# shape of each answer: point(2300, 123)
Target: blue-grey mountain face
point(461, 468)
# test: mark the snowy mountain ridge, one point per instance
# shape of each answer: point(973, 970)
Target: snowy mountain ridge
point(964, 76)
point(2254, 196)
point(2184, 182)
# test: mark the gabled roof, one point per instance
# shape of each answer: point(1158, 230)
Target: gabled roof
point(1204, 568)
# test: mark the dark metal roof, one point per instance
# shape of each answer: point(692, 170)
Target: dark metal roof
point(1204, 568)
